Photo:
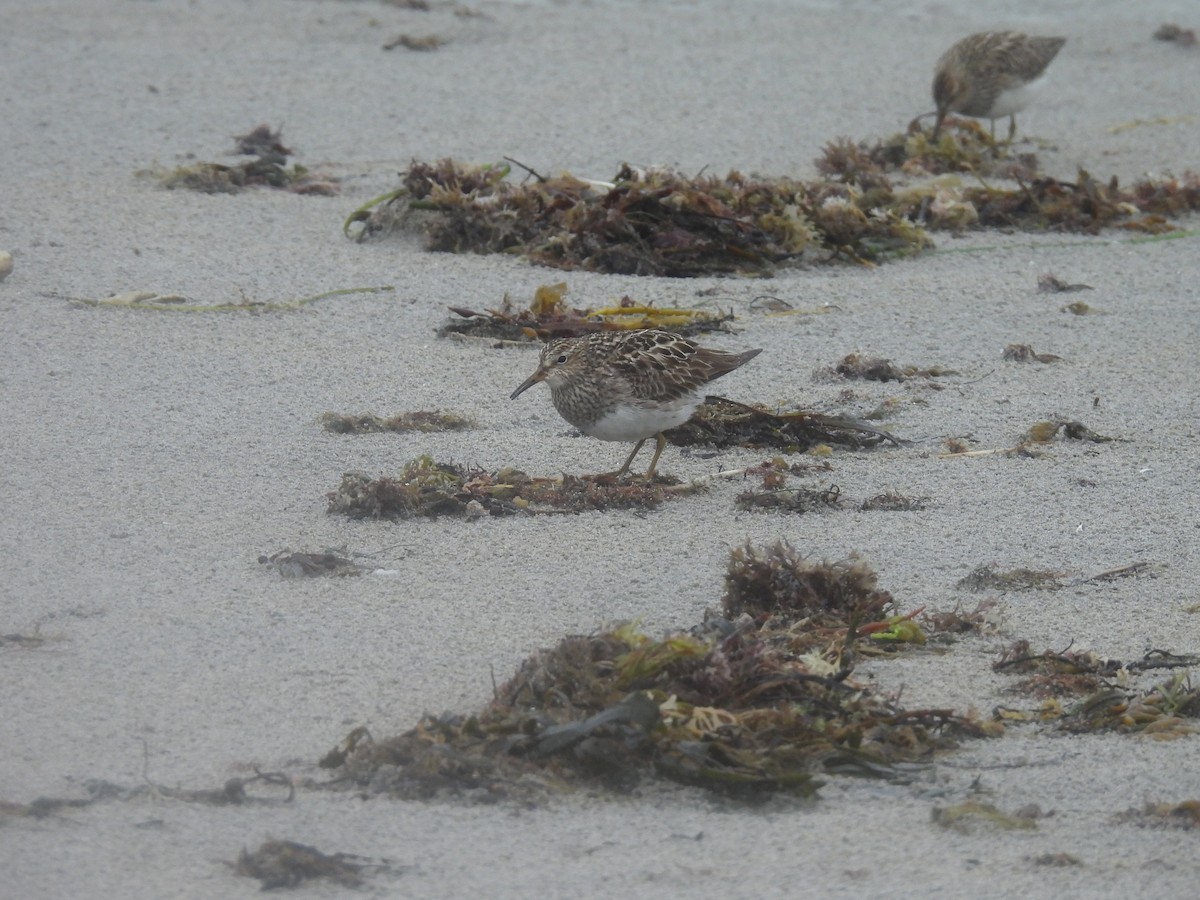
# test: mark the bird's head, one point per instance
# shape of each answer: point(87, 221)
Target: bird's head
point(554, 365)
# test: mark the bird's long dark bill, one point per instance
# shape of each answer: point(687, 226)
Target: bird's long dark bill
point(529, 382)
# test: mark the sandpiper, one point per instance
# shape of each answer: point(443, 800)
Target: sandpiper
point(991, 75)
point(630, 385)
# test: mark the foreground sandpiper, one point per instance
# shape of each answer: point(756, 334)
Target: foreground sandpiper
point(991, 75)
point(630, 385)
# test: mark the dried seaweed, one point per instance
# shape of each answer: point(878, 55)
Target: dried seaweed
point(658, 222)
point(151, 300)
point(1160, 712)
point(971, 815)
point(422, 421)
point(891, 501)
point(756, 700)
point(412, 42)
point(796, 499)
point(1049, 283)
point(425, 488)
point(1056, 860)
point(549, 316)
point(286, 864)
point(653, 222)
point(868, 368)
point(960, 621)
point(260, 141)
point(232, 793)
point(721, 422)
point(302, 564)
point(1047, 431)
point(1185, 814)
point(28, 641)
point(1174, 34)
point(1025, 353)
point(269, 168)
point(988, 578)
point(1053, 673)
point(778, 579)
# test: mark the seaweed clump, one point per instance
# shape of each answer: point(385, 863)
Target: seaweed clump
point(872, 368)
point(422, 421)
point(651, 222)
point(1105, 702)
point(549, 316)
point(268, 168)
point(1038, 202)
point(286, 864)
point(425, 488)
point(303, 564)
point(722, 423)
point(756, 700)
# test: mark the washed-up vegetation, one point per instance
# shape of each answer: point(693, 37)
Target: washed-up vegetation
point(268, 168)
point(758, 698)
point(660, 222)
point(549, 316)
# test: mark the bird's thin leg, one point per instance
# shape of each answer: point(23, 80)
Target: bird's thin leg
point(660, 442)
point(625, 468)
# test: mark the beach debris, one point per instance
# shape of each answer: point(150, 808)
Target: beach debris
point(1106, 703)
point(1046, 431)
point(286, 864)
point(232, 793)
point(893, 501)
point(643, 222)
point(268, 168)
point(1079, 308)
point(1026, 353)
point(1174, 34)
point(260, 141)
point(971, 816)
point(659, 222)
point(1185, 814)
point(1053, 673)
point(302, 564)
point(6, 264)
point(775, 493)
point(549, 316)
point(26, 641)
point(757, 699)
point(1049, 283)
point(980, 620)
point(792, 499)
point(422, 421)
point(722, 423)
point(1037, 435)
point(872, 368)
point(989, 578)
point(1161, 712)
point(1055, 860)
point(425, 488)
point(151, 300)
point(412, 42)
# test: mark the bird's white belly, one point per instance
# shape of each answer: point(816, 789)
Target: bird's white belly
point(632, 423)
point(1012, 101)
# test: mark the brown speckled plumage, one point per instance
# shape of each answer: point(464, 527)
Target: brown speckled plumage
point(972, 75)
point(629, 385)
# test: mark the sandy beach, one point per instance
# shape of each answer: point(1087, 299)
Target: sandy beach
point(151, 458)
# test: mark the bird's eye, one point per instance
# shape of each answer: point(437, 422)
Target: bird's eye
point(562, 358)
